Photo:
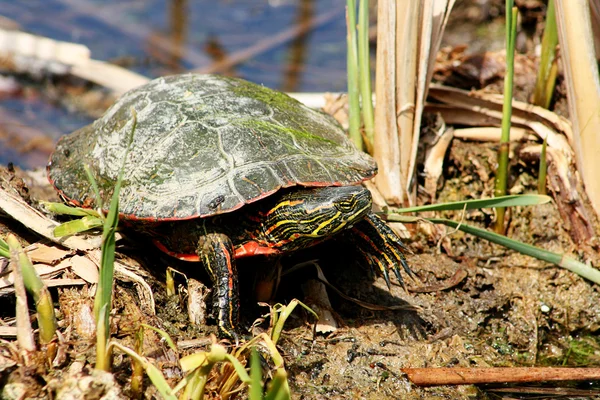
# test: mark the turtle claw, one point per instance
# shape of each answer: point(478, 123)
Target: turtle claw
point(382, 248)
point(386, 276)
point(236, 339)
point(399, 277)
point(406, 269)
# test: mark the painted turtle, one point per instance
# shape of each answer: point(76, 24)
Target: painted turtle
point(222, 168)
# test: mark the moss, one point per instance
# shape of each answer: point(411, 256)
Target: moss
point(266, 125)
point(273, 98)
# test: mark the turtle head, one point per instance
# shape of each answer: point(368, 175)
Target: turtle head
point(303, 217)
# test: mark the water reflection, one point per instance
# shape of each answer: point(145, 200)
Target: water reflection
point(294, 45)
point(296, 59)
point(272, 40)
point(178, 24)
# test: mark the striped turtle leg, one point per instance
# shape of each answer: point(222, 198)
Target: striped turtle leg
point(381, 247)
point(217, 254)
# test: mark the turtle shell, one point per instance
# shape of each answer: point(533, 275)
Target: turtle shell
point(203, 145)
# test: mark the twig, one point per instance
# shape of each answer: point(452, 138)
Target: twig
point(468, 376)
point(30, 53)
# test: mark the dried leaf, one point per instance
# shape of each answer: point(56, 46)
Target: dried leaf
point(317, 299)
point(84, 268)
point(47, 254)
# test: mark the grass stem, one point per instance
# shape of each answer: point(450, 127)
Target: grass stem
point(502, 171)
point(352, 65)
point(583, 270)
point(103, 300)
point(543, 169)
point(548, 69)
point(364, 74)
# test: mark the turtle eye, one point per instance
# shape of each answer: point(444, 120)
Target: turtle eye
point(345, 206)
point(67, 153)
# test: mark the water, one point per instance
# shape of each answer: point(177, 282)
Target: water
point(160, 37)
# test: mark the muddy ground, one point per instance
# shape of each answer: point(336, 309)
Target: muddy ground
point(507, 310)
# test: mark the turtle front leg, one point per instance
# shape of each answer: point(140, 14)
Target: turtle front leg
point(381, 247)
point(217, 254)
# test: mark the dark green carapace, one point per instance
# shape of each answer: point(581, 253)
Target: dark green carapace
point(206, 146)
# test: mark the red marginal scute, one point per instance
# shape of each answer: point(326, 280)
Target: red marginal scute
point(247, 250)
point(181, 256)
point(254, 249)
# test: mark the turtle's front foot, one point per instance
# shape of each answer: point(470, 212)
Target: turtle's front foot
point(217, 254)
point(381, 247)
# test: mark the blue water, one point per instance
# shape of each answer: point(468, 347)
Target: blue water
point(159, 37)
point(117, 29)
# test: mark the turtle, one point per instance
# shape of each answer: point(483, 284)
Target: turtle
point(220, 168)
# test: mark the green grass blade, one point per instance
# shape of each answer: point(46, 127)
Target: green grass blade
point(155, 375)
point(108, 248)
point(279, 388)
point(170, 283)
point(543, 170)
point(284, 314)
point(255, 391)
point(353, 87)
point(63, 209)
point(25, 339)
point(240, 370)
point(105, 281)
point(503, 201)
point(90, 176)
point(183, 383)
point(42, 298)
point(364, 73)
point(502, 170)
point(46, 317)
point(164, 335)
point(4, 249)
point(194, 390)
point(40, 293)
point(561, 260)
point(546, 77)
point(77, 226)
point(137, 369)
point(193, 361)
point(103, 300)
point(102, 335)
